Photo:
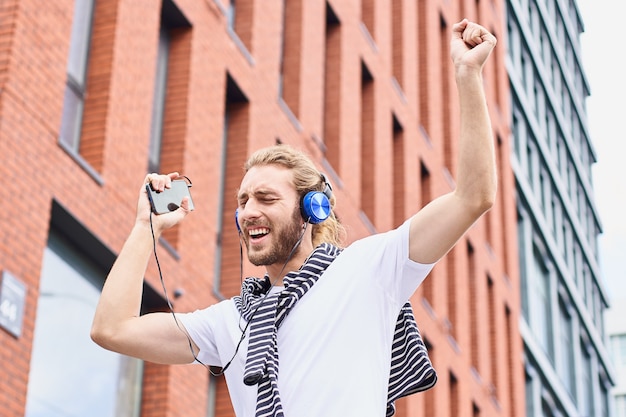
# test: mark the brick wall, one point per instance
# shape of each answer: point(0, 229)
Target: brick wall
point(468, 307)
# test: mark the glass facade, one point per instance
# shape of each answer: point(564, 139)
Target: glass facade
point(563, 299)
point(63, 352)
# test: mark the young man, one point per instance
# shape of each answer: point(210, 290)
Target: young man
point(327, 331)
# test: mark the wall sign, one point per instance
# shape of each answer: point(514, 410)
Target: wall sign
point(12, 299)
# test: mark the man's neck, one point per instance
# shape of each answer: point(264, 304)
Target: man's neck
point(278, 270)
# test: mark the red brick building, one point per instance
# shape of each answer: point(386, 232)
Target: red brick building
point(94, 96)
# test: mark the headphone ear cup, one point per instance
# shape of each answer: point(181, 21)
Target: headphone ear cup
point(315, 207)
point(237, 220)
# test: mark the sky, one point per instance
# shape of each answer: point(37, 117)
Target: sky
point(603, 60)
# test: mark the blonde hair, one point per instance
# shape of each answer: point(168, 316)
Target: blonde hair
point(306, 177)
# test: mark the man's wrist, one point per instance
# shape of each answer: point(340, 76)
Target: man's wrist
point(143, 227)
point(465, 72)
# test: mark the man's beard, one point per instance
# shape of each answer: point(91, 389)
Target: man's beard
point(283, 244)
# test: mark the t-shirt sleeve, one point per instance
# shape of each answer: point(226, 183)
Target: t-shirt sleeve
point(385, 258)
point(202, 327)
point(412, 273)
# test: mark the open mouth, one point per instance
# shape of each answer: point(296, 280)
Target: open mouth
point(257, 234)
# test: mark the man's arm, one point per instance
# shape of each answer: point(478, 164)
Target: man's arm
point(439, 225)
point(117, 325)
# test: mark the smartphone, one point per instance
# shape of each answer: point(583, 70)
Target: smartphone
point(169, 199)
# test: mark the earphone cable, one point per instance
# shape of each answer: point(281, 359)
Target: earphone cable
point(243, 332)
point(167, 298)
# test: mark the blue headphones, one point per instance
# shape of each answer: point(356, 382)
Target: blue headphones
point(314, 205)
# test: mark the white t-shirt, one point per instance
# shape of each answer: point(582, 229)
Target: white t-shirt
point(334, 347)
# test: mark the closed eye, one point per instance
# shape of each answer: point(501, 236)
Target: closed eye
point(261, 196)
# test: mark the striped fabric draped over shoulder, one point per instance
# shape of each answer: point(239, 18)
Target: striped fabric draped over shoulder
point(411, 369)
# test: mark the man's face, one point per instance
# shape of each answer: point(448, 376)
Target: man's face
point(269, 214)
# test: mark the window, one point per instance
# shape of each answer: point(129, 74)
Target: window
point(235, 131)
point(332, 81)
point(546, 409)
point(586, 381)
point(473, 294)
point(368, 145)
point(240, 15)
point(158, 106)
point(620, 405)
point(603, 403)
point(291, 57)
point(74, 97)
point(530, 396)
point(170, 91)
point(565, 364)
point(541, 318)
point(523, 263)
point(455, 397)
point(397, 42)
point(424, 81)
point(70, 375)
point(367, 16)
point(398, 172)
point(494, 334)
point(446, 97)
point(618, 350)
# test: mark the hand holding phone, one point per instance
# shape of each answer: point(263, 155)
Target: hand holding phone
point(169, 199)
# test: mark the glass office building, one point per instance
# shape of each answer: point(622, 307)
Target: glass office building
point(567, 364)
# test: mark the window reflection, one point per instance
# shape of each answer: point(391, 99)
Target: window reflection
point(70, 375)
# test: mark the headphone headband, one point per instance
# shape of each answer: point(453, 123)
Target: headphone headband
point(328, 189)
